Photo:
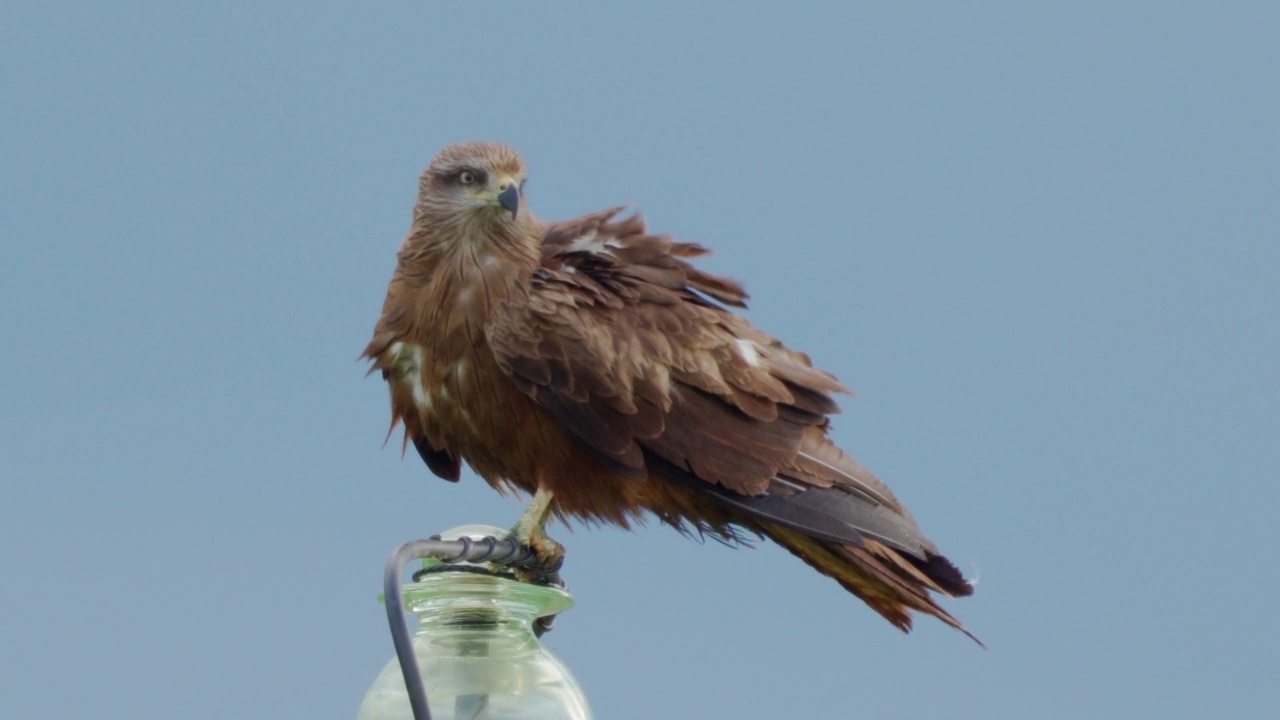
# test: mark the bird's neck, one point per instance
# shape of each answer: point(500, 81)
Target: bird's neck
point(462, 279)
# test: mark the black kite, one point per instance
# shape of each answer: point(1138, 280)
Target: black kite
point(588, 363)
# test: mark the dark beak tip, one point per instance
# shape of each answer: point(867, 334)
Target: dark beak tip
point(509, 199)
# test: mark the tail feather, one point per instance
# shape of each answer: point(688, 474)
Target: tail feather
point(888, 582)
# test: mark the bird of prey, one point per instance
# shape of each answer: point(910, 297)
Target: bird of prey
point(589, 364)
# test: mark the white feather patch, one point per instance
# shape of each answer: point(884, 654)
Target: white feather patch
point(593, 243)
point(408, 362)
point(748, 352)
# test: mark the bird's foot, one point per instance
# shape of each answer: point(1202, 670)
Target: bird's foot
point(548, 557)
point(531, 531)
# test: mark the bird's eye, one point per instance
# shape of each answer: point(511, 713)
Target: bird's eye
point(466, 177)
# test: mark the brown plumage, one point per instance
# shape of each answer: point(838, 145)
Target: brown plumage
point(590, 360)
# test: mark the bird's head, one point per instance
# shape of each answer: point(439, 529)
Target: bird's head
point(474, 182)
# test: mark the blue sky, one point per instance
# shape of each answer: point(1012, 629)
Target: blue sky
point(1041, 244)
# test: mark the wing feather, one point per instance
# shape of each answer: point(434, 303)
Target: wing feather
point(618, 343)
point(622, 343)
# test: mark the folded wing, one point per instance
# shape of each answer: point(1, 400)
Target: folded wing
point(629, 346)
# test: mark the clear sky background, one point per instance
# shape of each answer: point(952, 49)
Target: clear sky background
point(1042, 244)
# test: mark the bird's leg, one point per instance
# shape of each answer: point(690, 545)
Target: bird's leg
point(531, 531)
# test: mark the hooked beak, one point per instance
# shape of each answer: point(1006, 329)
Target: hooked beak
point(509, 197)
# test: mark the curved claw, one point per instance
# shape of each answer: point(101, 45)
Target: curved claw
point(548, 557)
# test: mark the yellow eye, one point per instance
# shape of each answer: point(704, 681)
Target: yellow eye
point(466, 177)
